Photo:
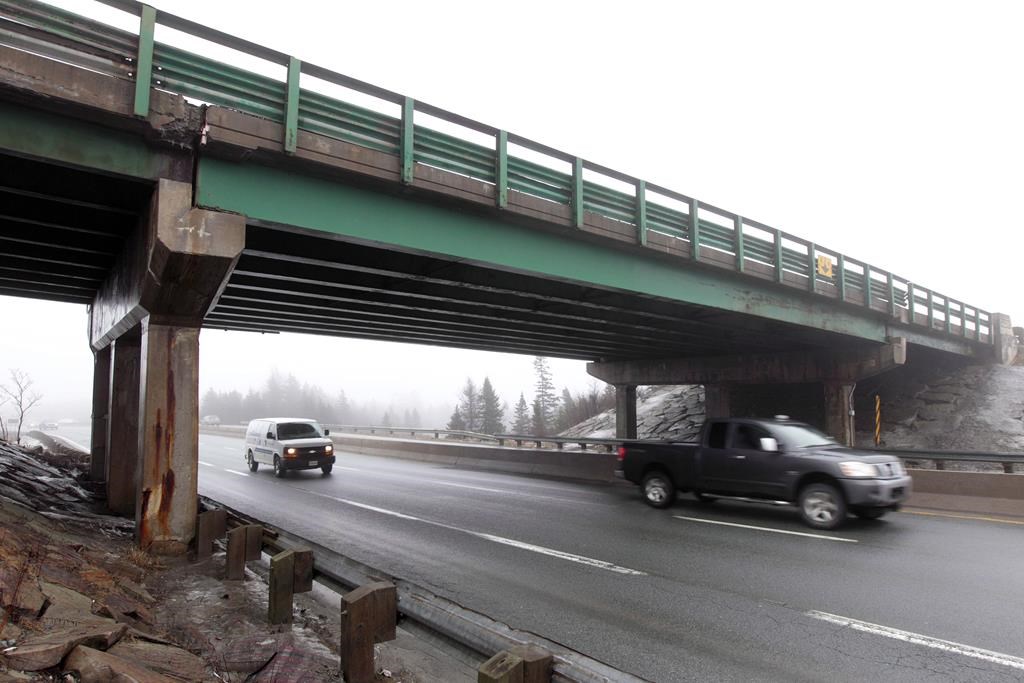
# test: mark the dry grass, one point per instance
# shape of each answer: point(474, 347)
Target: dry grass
point(143, 560)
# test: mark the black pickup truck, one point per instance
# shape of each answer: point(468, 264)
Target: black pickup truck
point(769, 460)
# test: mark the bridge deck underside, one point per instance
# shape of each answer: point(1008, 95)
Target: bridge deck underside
point(61, 229)
point(295, 281)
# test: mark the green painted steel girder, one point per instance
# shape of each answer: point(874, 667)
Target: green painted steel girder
point(275, 196)
point(73, 142)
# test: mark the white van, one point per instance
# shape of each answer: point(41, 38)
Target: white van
point(288, 443)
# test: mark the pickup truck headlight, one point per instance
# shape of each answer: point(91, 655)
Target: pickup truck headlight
point(328, 448)
point(858, 469)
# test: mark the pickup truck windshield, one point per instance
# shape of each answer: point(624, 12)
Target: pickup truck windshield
point(297, 430)
point(800, 436)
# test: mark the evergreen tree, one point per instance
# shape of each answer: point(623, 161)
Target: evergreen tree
point(567, 412)
point(492, 412)
point(456, 423)
point(544, 394)
point(471, 407)
point(521, 418)
point(539, 428)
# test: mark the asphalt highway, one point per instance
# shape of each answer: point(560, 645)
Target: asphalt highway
point(722, 592)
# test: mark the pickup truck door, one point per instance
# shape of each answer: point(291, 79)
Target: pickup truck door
point(757, 472)
point(718, 471)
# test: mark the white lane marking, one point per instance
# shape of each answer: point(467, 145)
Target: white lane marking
point(580, 559)
point(206, 464)
point(918, 639)
point(769, 529)
point(230, 448)
point(467, 486)
point(350, 469)
point(241, 474)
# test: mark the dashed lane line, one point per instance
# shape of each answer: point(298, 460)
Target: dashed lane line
point(769, 529)
point(551, 552)
point(241, 474)
point(918, 639)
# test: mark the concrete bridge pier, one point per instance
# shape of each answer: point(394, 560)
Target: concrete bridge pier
point(100, 415)
point(727, 378)
point(149, 312)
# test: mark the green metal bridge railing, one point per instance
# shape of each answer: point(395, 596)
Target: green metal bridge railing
point(701, 232)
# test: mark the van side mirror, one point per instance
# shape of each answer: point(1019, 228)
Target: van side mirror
point(270, 435)
point(769, 444)
point(327, 432)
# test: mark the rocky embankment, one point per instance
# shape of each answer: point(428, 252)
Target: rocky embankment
point(972, 408)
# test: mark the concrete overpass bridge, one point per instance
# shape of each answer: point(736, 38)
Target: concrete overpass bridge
point(171, 192)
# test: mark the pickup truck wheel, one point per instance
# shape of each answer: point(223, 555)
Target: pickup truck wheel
point(659, 491)
point(326, 469)
point(253, 465)
point(822, 506)
point(870, 513)
point(278, 470)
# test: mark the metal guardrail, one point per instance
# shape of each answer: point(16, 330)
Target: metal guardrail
point(412, 431)
point(559, 441)
point(700, 232)
point(1007, 460)
point(436, 614)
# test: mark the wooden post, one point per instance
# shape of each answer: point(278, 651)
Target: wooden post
point(503, 667)
point(536, 663)
point(211, 525)
point(236, 554)
point(282, 575)
point(253, 542)
point(368, 616)
point(303, 576)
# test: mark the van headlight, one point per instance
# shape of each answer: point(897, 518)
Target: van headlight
point(291, 451)
point(328, 449)
point(858, 469)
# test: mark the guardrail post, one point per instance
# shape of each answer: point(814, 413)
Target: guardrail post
point(302, 578)
point(253, 542)
point(741, 256)
point(291, 107)
point(812, 268)
point(408, 139)
point(503, 667)
point(641, 212)
point(842, 277)
point(144, 60)
point(867, 285)
point(368, 616)
point(536, 663)
point(779, 277)
point(282, 577)
point(210, 526)
point(501, 172)
point(236, 554)
point(695, 230)
point(577, 192)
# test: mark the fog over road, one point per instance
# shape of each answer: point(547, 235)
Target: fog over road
point(722, 592)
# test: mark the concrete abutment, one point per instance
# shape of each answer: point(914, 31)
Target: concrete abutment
point(821, 384)
point(146, 320)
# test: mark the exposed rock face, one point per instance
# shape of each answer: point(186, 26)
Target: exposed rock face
point(672, 412)
point(973, 408)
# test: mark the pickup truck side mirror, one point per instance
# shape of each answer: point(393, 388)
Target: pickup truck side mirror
point(769, 444)
point(327, 432)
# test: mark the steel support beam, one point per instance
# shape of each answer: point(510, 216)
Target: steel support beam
point(625, 411)
point(122, 435)
point(781, 368)
point(168, 444)
point(839, 411)
point(100, 415)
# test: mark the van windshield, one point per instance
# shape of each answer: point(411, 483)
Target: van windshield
point(298, 430)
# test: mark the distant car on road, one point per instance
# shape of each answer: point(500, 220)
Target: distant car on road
point(769, 460)
point(288, 443)
point(45, 426)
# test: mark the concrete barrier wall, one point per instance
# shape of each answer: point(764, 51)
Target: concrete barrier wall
point(587, 465)
point(969, 492)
